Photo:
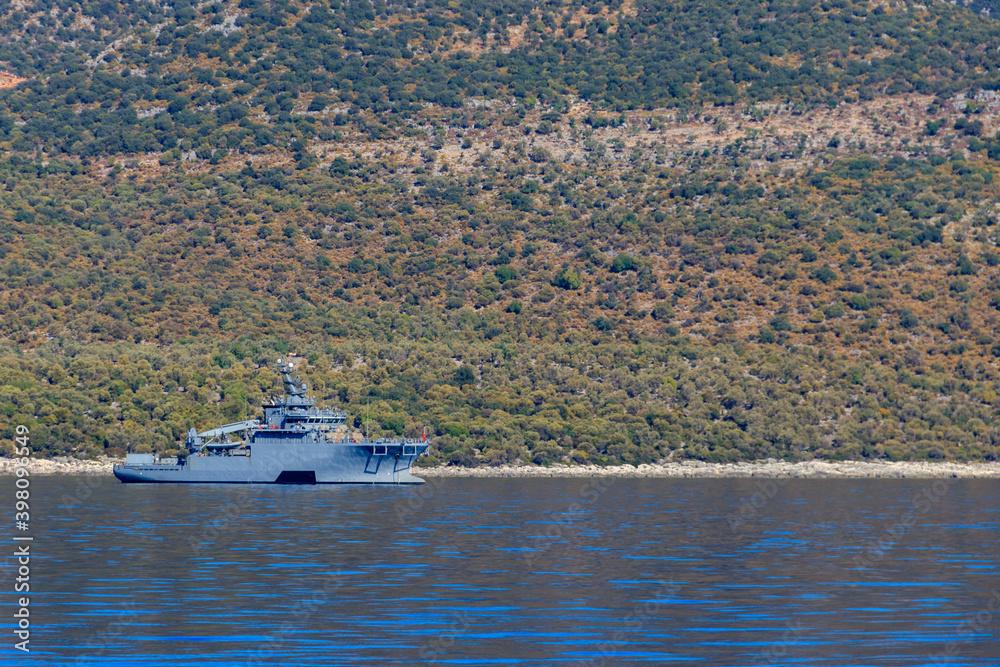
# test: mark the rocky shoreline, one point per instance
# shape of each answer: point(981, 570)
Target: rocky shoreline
point(770, 468)
point(61, 465)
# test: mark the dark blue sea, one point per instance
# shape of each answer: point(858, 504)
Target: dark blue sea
point(513, 572)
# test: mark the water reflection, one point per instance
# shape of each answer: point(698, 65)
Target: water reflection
point(509, 571)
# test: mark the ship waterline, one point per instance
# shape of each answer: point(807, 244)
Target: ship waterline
point(315, 463)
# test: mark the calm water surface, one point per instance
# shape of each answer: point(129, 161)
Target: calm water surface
point(515, 572)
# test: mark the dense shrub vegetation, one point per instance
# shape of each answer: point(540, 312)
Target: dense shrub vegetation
point(130, 77)
point(485, 219)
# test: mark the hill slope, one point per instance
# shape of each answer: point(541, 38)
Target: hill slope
point(585, 233)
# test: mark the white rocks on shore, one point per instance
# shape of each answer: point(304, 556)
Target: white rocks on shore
point(60, 465)
point(770, 468)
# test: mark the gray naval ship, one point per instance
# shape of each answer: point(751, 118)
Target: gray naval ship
point(295, 443)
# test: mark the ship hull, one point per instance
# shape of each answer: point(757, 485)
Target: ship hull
point(282, 463)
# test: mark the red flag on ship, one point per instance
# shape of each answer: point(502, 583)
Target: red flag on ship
point(425, 434)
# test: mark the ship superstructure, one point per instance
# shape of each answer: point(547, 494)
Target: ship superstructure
point(294, 443)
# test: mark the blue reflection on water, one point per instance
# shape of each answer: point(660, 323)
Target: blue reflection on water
point(514, 572)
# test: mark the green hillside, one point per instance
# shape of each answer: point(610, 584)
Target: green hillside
point(546, 232)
